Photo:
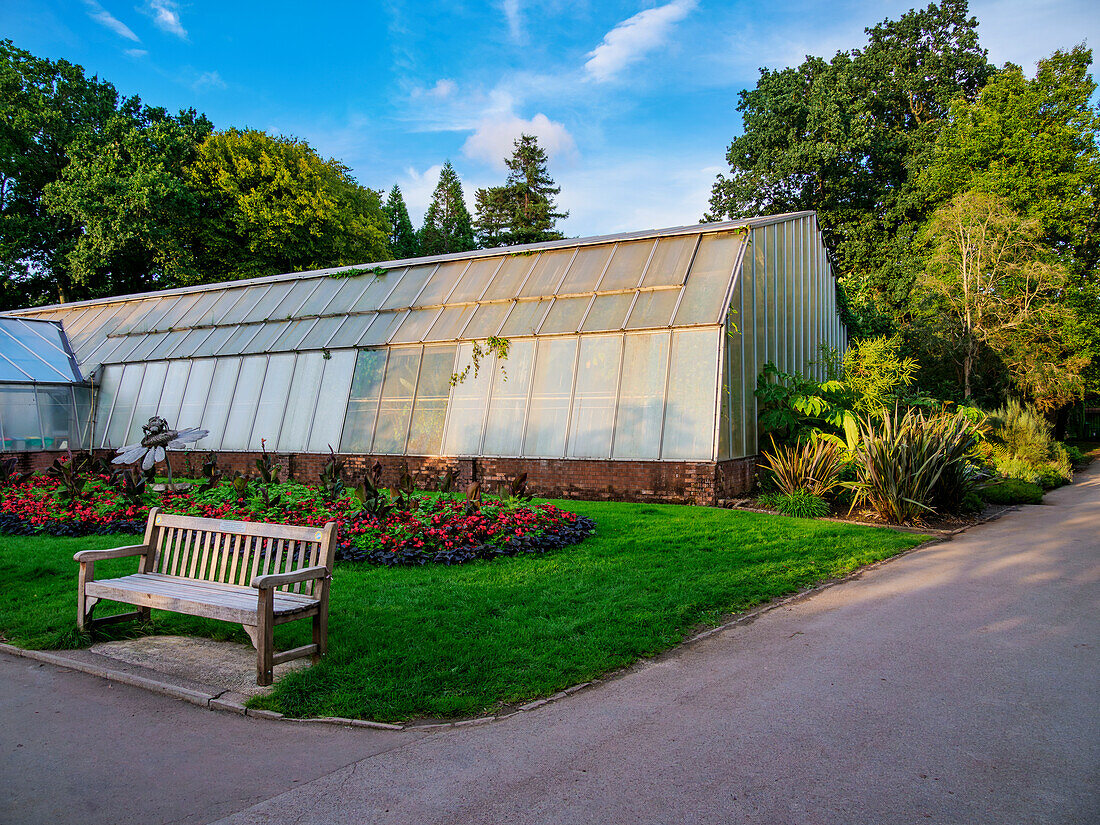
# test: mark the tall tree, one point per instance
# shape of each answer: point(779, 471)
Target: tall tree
point(403, 240)
point(45, 107)
point(1002, 290)
point(271, 204)
point(125, 186)
point(523, 210)
point(447, 226)
point(847, 137)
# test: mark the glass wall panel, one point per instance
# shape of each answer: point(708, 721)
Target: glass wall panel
point(469, 401)
point(724, 418)
point(376, 293)
point(58, 417)
point(245, 396)
point(641, 396)
point(125, 399)
point(381, 328)
point(105, 400)
point(653, 309)
point(690, 401)
point(148, 399)
point(395, 406)
point(473, 281)
point(19, 418)
point(273, 401)
point(301, 402)
point(328, 422)
point(450, 323)
point(508, 403)
point(442, 283)
point(709, 280)
point(487, 320)
point(587, 269)
point(195, 396)
point(172, 396)
point(524, 318)
point(83, 396)
point(510, 277)
point(594, 397)
point(430, 409)
point(416, 325)
point(411, 283)
point(362, 408)
point(551, 388)
point(565, 315)
point(546, 274)
point(220, 400)
point(608, 312)
point(670, 261)
point(627, 265)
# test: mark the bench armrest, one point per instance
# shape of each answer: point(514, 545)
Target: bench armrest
point(112, 553)
point(279, 579)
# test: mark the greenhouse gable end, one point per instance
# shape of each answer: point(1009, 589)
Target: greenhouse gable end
point(630, 369)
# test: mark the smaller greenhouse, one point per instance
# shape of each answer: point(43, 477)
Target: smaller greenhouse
point(45, 404)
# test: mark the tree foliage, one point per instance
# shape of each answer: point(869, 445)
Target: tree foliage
point(271, 204)
point(523, 209)
point(403, 240)
point(447, 225)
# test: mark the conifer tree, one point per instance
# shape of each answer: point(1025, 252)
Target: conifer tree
point(523, 210)
point(447, 225)
point(403, 240)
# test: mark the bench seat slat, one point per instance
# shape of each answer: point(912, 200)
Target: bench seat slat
point(215, 601)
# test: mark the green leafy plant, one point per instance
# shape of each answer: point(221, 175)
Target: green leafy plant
point(446, 482)
point(1075, 456)
point(493, 345)
point(9, 476)
point(130, 484)
point(800, 503)
point(267, 465)
point(1012, 491)
point(812, 466)
point(1022, 446)
point(71, 482)
point(211, 473)
point(373, 499)
point(332, 477)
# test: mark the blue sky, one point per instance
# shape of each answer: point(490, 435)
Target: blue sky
point(635, 101)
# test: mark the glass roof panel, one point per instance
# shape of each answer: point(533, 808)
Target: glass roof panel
point(168, 342)
point(322, 296)
point(293, 335)
point(416, 326)
point(214, 342)
point(155, 317)
point(510, 276)
point(78, 321)
point(287, 309)
point(586, 269)
point(411, 283)
point(135, 318)
point(474, 279)
point(546, 274)
point(627, 264)
point(351, 289)
point(377, 291)
point(653, 309)
point(608, 312)
point(381, 328)
point(9, 372)
point(27, 349)
point(565, 315)
point(239, 341)
point(191, 341)
point(487, 320)
point(244, 307)
point(146, 344)
point(180, 308)
point(351, 330)
point(525, 317)
point(441, 283)
point(225, 303)
point(450, 323)
point(704, 300)
point(127, 344)
point(322, 331)
point(200, 312)
point(268, 335)
point(670, 261)
point(261, 310)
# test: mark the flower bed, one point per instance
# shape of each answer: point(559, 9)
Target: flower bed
point(419, 529)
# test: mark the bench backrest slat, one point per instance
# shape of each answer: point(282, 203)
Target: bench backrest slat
point(234, 552)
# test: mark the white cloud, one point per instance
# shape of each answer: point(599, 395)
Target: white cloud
point(208, 80)
point(513, 13)
point(634, 37)
point(443, 89)
point(108, 20)
point(166, 15)
point(136, 53)
point(492, 140)
point(417, 188)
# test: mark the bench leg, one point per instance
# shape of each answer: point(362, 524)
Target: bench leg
point(85, 604)
point(265, 633)
point(320, 636)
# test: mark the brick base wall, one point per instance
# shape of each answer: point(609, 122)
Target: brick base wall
point(674, 482)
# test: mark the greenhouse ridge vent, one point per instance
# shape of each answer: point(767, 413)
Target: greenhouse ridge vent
point(630, 371)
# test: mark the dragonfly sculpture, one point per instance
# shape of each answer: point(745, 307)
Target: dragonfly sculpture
point(159, 438)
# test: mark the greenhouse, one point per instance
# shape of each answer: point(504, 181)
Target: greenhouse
point(45, 404)
point(630, 364)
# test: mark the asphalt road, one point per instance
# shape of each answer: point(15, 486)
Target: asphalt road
point(958, 684)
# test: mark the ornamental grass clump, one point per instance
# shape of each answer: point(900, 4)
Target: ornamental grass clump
point(812, 466)
point(902, 462)
point(1022, 446)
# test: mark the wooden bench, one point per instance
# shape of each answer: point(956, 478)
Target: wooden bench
point(258, 575)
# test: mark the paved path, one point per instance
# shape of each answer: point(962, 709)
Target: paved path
point(958, 684)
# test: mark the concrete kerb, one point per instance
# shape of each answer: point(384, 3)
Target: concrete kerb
point(229, 702)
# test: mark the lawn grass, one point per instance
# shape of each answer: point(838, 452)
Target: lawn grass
point(455, 641)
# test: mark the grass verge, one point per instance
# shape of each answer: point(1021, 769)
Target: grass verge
point(456, 641)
